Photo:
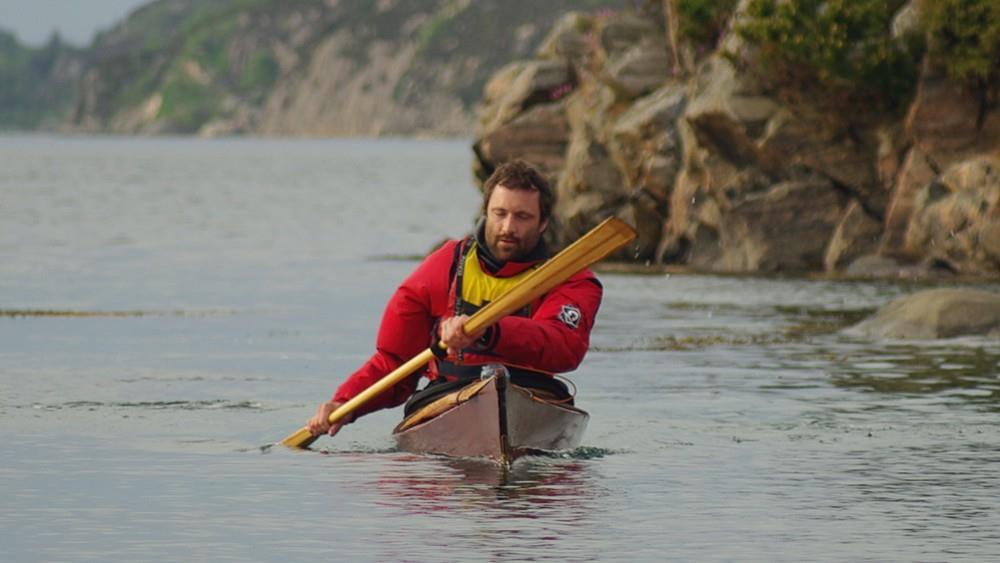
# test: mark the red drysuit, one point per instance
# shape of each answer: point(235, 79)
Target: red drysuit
point(550, 336)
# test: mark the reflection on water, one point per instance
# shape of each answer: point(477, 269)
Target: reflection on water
point(469, 484)
point(16, 313)
point(537, 509)
point(955, 372)
point(149, 405)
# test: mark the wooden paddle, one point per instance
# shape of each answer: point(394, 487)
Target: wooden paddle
point(601, 241)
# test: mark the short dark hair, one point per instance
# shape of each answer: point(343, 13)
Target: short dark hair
point(519, 175)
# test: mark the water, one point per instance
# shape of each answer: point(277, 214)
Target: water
point(201, 297)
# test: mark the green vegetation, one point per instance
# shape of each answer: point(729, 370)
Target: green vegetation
point(139, 82)
point(965, 38)
point(207, 47)
point(29, 91)
point(842, 48)
point(188, 104)
point(259, 74)
point(702, 22)
point(432, 30)
point(186, 57)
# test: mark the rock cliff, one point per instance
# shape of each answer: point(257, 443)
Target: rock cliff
point(723, 168)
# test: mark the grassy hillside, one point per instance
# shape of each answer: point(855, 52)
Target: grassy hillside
point(182, 63)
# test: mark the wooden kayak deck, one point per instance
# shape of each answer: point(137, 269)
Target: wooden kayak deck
point(492, 418)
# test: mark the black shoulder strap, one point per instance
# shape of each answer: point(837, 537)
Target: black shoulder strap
point(458, 271)
point(455, 259)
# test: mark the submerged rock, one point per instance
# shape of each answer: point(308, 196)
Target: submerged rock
point(936, 313)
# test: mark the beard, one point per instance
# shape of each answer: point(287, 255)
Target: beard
point(508, 246)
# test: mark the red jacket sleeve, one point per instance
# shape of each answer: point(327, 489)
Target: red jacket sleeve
point(556, 336)
point(405, 332)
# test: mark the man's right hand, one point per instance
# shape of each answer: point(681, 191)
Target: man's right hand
point(320, 422)
point(453, 334)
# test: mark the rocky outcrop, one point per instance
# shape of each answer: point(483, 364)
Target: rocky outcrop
point(957, 217)
point(336, 95)
point(601, 81)
point(856, 235)
point(935, 313)
point(948, 175)
point(719, 172)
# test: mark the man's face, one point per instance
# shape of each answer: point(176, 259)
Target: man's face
point(513, 222)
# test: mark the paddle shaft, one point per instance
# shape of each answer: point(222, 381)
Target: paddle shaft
point(303, 437)
point(601, 241)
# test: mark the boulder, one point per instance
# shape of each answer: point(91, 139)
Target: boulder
point(945, 125)
point(639, 70)
point(935, 313)
point(718, 149)
point(590, 187)
point(957, 218)
point(519, 86)
point(720, 89)
point(568, 39)
point(916, 172)
point(589, 168)
point(645, 213)
point(729, 107)
point(590, 108)
point(496, 88)
point(947, 122)
point(782, 228)
point(689, 237)
point(831, 146)
point(856, 235)
point(645, 142)
point(634, 55)
point(625, 31)
point(539, 136)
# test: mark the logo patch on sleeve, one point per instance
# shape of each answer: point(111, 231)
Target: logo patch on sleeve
point(570, 316)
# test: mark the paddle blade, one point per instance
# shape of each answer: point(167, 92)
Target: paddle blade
point(301, 439)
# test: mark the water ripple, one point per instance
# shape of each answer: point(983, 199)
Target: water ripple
point(150, 405)
point(72, 313)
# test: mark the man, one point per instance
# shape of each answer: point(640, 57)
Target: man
point(551, 335)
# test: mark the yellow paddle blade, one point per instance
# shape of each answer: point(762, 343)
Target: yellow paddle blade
point(597, 244)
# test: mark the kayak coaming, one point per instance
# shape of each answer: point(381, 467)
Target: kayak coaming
point(492, 418)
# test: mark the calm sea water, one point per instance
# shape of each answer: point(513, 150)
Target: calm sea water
point(171, 307)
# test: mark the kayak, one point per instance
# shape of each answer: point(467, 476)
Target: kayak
point(497, 417)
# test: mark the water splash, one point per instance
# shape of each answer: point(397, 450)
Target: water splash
point(581, 453)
